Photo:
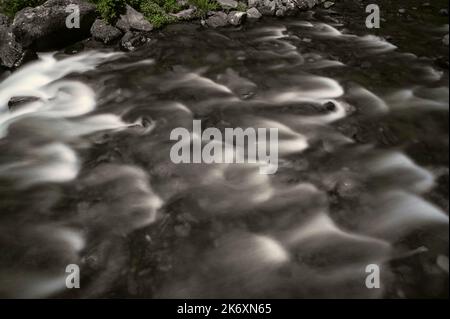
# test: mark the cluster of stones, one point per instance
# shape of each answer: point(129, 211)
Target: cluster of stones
point(44, 27)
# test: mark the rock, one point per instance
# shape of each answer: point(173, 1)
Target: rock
point(445, 40)
point(12, 54)
point(253, 13)
point(104, 32)
point(44, 27)
point(133, 20)
point(330, 106)
point(265, 7)
point(401, 11)
point(228, 4)
point(131, 40)
point(217, 19)
point(306, 4)
point(236, 17)
point(187, 14)
point(4, 20)
point(16, 102)
point(328, 4)
point(278, 7)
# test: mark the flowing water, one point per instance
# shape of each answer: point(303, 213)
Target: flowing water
point(86, 177)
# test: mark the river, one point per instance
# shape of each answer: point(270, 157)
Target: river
point(86, 177)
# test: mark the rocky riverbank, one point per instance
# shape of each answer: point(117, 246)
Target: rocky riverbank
point(43, 27)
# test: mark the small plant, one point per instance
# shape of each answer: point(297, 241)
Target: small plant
point(169, 5)
point(11, 7)
point(155, 14)
point(241, 6)
point(110, 9)
point(203, 6)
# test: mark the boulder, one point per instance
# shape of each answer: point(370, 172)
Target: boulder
point(307, 4)
point(133, 20)
point(12, 53)
point(44, 27)
point(253, 13)
point(281, 7)
point(187, 14)
point(236, 17)
point(217, 19)
point(104, 32)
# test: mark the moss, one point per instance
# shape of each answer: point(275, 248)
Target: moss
point(169, 5)
point(241, 6)
point(157, 16)
point(204, 6)
point(110, 9)
point(156, 11)
point(11, 7)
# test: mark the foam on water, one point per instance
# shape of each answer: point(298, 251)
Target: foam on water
point(239, 233)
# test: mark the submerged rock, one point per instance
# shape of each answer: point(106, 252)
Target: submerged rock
point(104, 32)
point(131, 40)
point(133, 20)
point(44, 27)
point(17, 101)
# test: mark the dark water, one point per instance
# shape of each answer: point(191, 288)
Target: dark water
point(86, 177)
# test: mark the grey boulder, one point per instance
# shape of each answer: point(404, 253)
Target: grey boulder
point(12, 53)
point(281, 7)
point(44, 27)
point(253, 13)
point(104, 32)
point(217, 19)
point(133, 20)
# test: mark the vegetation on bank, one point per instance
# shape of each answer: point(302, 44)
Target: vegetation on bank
point(156, 11)
point(10, 7)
